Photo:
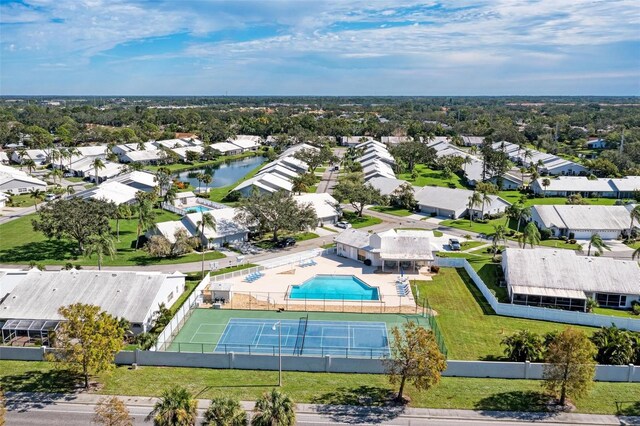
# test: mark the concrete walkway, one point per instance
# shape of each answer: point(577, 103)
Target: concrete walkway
point(338, 413)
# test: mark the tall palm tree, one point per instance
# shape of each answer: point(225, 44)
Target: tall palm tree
point(486, 199)
point(475, 200)
point(466, 160)
point(144, 211)
point(634, 214)
point(176, 407)
point(207, 179)
point(199, 178)
point(122, 212)
point(225, 412)
point(545, 183)
point(274, 409)
point(29, 164)
point(207, 221)
point(170, 194)
point(518, 212)
point(56, 174)
point(97, 164)
point(22, 153)
point(597, 243)
point(71, 152)
point(163, 180)
point(299, 184)
point(530, 234)
point(100, 245)
point(70, 191)
point(499, 235)
point(37, 195)
point(64, 154)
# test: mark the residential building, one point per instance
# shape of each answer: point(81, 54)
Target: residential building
point(39, 156)
point(16, 182)
point(394, 140)
point(126, 148)
point(547, 163)
point(454, 203)
point(472, 140)
point(142, 181)
point(386, 185)
point(151, 156)
point(377, 168)
point(111, 191)
point(354, 140)
point(560, 278)
point(246, 142)
point(135, 296)
point(596, 143)
point(582, 221)
point(266, 183)
point(226, 148)
point(390, 250)
point(182, 153)
point(326, 207)
point(563, 186)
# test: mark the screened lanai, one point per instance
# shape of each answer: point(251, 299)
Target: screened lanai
point(20, 332)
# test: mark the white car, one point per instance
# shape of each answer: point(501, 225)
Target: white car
point(50, 197)
point(343, 225)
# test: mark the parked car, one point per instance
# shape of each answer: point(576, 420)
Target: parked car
point(286, 242)
point(454, 244)
point(67, 175)
point(50, 197)
point(344, 225)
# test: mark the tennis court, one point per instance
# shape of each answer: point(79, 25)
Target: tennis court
point(313, 334)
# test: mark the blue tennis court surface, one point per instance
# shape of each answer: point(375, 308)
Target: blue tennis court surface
point(305, 337)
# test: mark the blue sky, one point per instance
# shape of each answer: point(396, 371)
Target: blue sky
point(304, 47)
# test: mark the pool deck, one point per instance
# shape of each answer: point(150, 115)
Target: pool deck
point(274, 285)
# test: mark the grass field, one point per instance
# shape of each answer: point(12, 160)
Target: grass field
point(360, 222)
point(430, 177)
point(192, 338)
point(395, 211)
point(321, 388)
point(23, 200)
point(514, 196)
point(470, 327)
point(21, 244)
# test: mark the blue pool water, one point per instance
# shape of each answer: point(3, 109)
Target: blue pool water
point(197, 209)
point(334, 287)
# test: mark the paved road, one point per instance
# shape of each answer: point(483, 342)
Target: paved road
point(71, 410)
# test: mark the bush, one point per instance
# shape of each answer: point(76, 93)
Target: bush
point(435, 269)
point(636, 309)
point(232, 196)
point(563, 238)
point(572, 241)
point(545, 234)
point(596, 254)
point(367, 262)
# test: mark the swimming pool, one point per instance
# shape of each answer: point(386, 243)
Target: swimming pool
point(334, 287)
point(197, 209)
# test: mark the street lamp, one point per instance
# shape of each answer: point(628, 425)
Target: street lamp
point(279, 324)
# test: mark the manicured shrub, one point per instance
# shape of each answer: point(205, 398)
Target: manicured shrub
point(435, 269)
point(545, 234)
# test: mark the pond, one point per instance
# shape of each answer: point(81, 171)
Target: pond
point(224, 174)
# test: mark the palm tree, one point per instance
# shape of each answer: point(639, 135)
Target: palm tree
point(486, 198)
point(545, 183)
point(200, 178)
point(635, 216)
point(225, 412)
point(163, 180)
point(64, 154)
point(207, 221)
point(530, 234)
point(122, 212)
point(21, 154)
point(274, 409)
point(299, 184)
point(144, 210)
point(97, 164)
point(475, 200)
point(466, 160)
point(70, 190)
point(36, 194)
point(100, 245)
point(499, 235)
point(518, 212)
point(523, 346)
point(207, 179)
point(473, 150)
point(170, 194)
point(597, 243)
point(56, 174)
point(29, 164)
point(141, 146)
point(71, 152)
point(176, 407)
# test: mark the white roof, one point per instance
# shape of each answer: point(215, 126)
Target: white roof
point(169, 229)
point(182, 152)
point(395, 139)
point(295, 148)
point(472, 140)
point(224, 147)
point(280, 169)
point(137, 179)
point(245, 143)
point(146, 155)
point(186, 194)
point(128, 147)
point(353, 238)
point(542, 269)
point(453, 199)
point(626, 184)
point(111, 191)
point(172, 143)
point(269, 182)
point(40, 294)
point(405, 245)
point(226, 224)
point(584, 217)
point(8, 174)
point(324, 204)
point(92, 151)
point(386, 185)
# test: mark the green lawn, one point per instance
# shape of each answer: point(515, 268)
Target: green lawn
point(465, 225)
point(635, 245)
point(437, 233)
point(23, 200)
point(615, 312)
point(322, 388)
point(360, 222)
point(470, 327)
point(430, 177)
point(268, 243)
point(514, 196)
point(559, 244)
point(392, 210)
point(468, 245)
point(21, 244)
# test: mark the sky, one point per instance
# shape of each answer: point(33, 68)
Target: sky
point(305, 47)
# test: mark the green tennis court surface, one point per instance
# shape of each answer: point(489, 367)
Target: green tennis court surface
point(303, 333)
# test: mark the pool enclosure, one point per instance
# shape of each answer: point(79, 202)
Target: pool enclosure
point(16, 332)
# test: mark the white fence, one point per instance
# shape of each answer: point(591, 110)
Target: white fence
point(211, 204)
point(328, 364)
point(296, 258)
point(181, 316)
point(535, 312)
point(235, 274)
point(173, 209)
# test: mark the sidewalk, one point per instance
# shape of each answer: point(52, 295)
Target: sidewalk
point(37, 400)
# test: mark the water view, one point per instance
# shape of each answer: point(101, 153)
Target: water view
point(223, 174)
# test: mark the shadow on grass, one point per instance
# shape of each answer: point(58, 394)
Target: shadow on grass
point(518, 405)
point(39, 251)
point(475, 292)
point(628, 408)
point(361, 404)
point(42, 388)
